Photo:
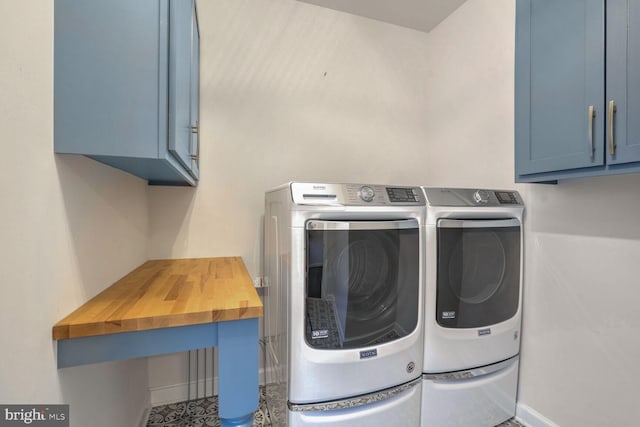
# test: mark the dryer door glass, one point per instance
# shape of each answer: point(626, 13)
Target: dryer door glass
point(362, 282)
point(478, 278)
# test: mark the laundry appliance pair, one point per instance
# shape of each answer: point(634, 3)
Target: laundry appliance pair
point(348, 338)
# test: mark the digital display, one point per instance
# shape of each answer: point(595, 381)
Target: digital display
point(399, 195)
point(506, 198)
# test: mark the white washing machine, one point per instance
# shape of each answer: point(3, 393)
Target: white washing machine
point(343, 325)
point(473, 306)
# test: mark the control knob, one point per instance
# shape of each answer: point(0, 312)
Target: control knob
point(366, 193)
point(481, 196)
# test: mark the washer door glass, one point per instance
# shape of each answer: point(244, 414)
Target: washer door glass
point(362, 282)
point(478, 282)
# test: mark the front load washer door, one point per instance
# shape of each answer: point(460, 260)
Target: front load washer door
point(362, 286)
point(356, 319)
point(478, 277)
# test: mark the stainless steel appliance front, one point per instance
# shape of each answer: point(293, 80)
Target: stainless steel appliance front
point(344, 305)
point(473, 306)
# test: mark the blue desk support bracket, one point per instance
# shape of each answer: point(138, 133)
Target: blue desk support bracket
point(237, 343)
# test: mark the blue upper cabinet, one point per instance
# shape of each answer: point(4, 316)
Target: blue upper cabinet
point(565, 124)
point(126, 85)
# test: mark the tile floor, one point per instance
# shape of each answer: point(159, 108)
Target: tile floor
point(201, 413)
point(511, 423)
point(204, 412)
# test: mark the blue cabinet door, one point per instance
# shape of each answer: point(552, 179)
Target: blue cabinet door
point(559, 85)
point(181, 14)
point(106, 81)
point(623, 82)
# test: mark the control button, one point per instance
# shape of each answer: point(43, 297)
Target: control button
point(366, 193)
point(481, 196)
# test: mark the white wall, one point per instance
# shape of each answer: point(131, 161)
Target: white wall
point(69, 227)
point(581, 317)
point(289, 91)
point(469, 97)
point(581, 320)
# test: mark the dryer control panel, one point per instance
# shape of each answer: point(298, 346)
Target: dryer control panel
point(356, 195)
point(472, 197)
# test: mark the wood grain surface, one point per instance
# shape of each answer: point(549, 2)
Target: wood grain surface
point(167, 293)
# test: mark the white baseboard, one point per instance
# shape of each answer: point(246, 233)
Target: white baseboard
point(173, 393)
point(531, 417)
point(178, 392)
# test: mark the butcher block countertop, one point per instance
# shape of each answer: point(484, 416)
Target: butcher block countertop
point(167, 293)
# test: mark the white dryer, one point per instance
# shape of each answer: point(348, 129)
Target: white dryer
point(343, 325)
point(473, 306)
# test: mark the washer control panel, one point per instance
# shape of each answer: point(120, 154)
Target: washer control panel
point(356, 195)
point(382, 195)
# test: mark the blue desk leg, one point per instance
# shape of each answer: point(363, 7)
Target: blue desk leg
point(238, 372)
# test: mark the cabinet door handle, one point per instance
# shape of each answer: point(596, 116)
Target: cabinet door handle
point(612, 143)
point(592, 115)
point(195, 130)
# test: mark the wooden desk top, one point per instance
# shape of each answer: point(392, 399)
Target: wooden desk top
point(167, 293)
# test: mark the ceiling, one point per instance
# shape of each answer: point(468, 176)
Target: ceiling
point(422, 15)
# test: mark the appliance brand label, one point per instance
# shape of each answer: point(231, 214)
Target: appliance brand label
point(448, 314)
point(482, 332)
point(366, 354)
point(320, 333)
